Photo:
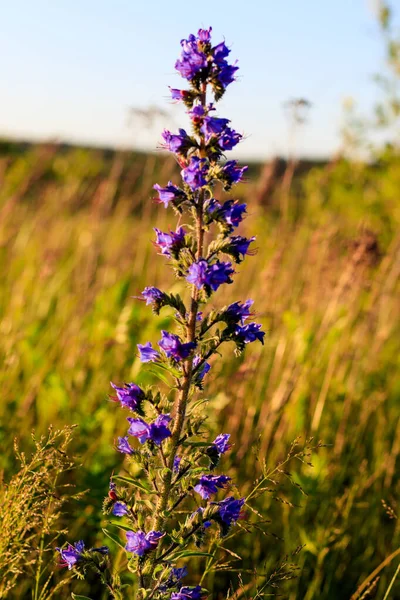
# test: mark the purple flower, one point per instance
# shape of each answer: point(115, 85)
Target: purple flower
point(130, 396)
point(194, 175)
point(173, 346)
point(71, 554)
point(221, 442)
point(140, 542)
point(188, 593)
point(226, 74)
point(249, 333)
point(198, 273)
point(201, 273)
point(230, 212)
point(203, 369)
point(239, 246)
point(231, 173)
point(179, 94)
point(192, 59)
point(152, 294)
point(177, 463)
point(174, 578)
point(169, 193)
point(124, 446)
point(179, 144)
point(170, 242)
point(209, 484)
point(213, 126)
point(197, 114)
point(220, 52)
point(147, 352)
point(204, 35)
point(219, 273)
point(229, 139)
point(119, 509)
point(156, 431)
point(229, 509)
point(239, 311)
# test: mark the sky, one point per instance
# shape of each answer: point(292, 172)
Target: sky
point(72, 70)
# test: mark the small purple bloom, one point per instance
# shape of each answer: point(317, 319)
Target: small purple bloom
point(119, 509)
point(139, 429)
point(230, 212)
point(194, 175)
point(226, 74)
point(229, 509)
point(71, 554)
point(220, 52)
point(130, 396)
point(169, 193)
point(188, 593)
point(221, 442)
point(204, 35)
point(213, 126)
point(152, 294)
point(179, 573)
point(219, 273)
point(140, 543)
point(173, 346)
point(179, 94)
point(179, 144)
point(197, 114)
point(229, 139)
point(239, 246)
point(147, 352)
point(159, 430)
point(203, 369)
point(175, 576)
point(124, 446)
point(156, 431)
point(192, 59)
point(197, 273)
point(234, 214)
point(231, 173)
point(201, 273)
point(170, 242)
point(209, 484)
point(249, 333)
point(239, 311)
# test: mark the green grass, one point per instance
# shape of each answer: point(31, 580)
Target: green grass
point(75, 248)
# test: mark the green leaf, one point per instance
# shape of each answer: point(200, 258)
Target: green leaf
point(185, 554)
point(114, 538)
point(134, 482)
point(160, 376)
point(78, 597)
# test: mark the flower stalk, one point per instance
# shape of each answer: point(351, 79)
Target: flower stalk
point(175, 462)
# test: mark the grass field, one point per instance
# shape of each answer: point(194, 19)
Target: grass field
point(75, 248)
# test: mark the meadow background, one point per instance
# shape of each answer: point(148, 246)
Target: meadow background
point(75, 249)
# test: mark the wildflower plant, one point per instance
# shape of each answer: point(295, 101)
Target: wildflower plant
point(178, 495)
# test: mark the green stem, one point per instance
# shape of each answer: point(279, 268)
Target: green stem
point(182, 400)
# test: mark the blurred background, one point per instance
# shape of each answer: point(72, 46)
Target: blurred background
point(84, 99)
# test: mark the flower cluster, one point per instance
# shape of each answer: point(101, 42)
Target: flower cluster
point(168, 458)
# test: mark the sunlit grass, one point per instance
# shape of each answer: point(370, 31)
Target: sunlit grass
point(75, 250)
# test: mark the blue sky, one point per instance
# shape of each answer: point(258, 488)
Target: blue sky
point(72, 69)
